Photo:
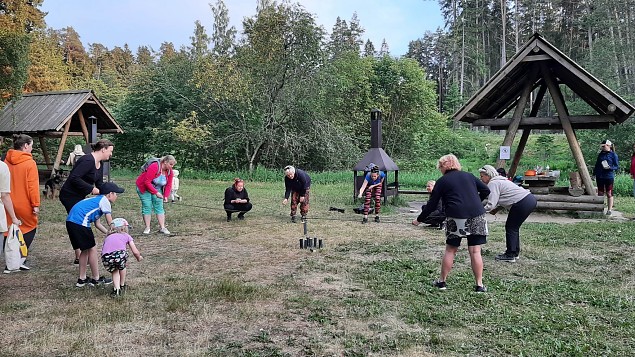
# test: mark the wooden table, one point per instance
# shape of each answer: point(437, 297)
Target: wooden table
point(539, 184)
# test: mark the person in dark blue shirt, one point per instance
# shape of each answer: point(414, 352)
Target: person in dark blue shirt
point(604, 170)
point(462, 194)
point(297, 184)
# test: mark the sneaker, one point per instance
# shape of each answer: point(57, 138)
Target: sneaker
point(81, 282)
point(506, 257)
point(480, 289)
point(241, 217)
point(441, 285)
point(7, 271)
point(608, 213)
point(24, 267)
point(146, 231)
point(123, 289)
point(376, 219)
point(292, 219)
point(101, 280)
point(115, 293)
point(364, 220)
point(164, 231)
point(229, 219)
point(76, 261)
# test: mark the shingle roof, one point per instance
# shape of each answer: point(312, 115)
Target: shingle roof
point(500, 94)
point(50, 111)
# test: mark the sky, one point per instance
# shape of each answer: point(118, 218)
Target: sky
point(152, 22)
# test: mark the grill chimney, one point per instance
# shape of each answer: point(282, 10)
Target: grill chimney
point(375, 128)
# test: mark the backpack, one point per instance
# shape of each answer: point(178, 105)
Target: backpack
point(150, 161)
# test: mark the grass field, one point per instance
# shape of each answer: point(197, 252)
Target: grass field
point(244, 288)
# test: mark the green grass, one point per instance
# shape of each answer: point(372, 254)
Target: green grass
point(243, 288)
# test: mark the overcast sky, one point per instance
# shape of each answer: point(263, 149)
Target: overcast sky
point(152, 22)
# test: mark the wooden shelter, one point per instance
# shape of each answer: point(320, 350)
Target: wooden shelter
point(537, 68)
point(57, 115)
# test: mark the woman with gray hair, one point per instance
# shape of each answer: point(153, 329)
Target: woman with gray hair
point(519, 201)
point(297, 184)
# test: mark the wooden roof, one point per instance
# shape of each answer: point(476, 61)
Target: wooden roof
point(501, 93)
point(45, 114)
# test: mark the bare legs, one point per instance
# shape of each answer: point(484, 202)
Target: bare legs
point(88, 256)
point(160, 218)
point(475, 258)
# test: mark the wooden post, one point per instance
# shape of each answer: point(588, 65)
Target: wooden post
point(557, 98)
point(45, 152)
point(82, 123)
point(60, 150)
point(523, 139)
point(518, 115)
point(519, 152)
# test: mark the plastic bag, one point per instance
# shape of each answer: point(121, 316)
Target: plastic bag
point(15, 250)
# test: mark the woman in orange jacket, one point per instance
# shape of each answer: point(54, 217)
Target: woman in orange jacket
point(25, 186)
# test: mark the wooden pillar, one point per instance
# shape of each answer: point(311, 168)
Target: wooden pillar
point(519, 153)
point(558, 101)
point(45, 152)
point(523, 139)
point(60, 150)
point(518, 115)
point(82, 123)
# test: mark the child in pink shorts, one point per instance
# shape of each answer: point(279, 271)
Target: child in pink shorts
point(114, 254)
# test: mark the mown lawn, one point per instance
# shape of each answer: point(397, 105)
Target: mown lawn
point(244, 288)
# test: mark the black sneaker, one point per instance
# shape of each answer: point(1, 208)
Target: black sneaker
point(441, 285)
point(506, 257)
point(364, 220)
point(376, 219)
point(229, 219)
point(480, 289)
point(123, 289)
point(292, 219)
point(241, 216)
point(101, 280)
point(115, 293)
point(81, 282)
point(76, 261)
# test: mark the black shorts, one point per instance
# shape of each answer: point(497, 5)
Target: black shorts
point(471, 240)
point(82, 238)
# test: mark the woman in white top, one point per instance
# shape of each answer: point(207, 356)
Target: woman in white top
point(519, 201)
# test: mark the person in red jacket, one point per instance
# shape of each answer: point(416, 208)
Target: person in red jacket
point(154, 185)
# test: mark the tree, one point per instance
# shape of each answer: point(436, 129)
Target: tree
point(200, 42)
point(223, 36)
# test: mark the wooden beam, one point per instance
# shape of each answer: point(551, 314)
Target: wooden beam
point(82, 123)
point(518, 114)
point(532, 58)
point(60, 149)
point(567, 198)
point(546, 121)
point(45, 153)
point(570, 206)
point(561, 108)
point(519, 153)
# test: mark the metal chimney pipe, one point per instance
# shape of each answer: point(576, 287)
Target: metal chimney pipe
point(375, 128)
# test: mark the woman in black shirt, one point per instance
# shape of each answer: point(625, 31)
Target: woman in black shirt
point(237, 200)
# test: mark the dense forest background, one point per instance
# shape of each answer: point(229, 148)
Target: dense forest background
point(286, 90)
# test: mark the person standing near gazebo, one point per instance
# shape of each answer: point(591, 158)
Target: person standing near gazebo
point(604, 170)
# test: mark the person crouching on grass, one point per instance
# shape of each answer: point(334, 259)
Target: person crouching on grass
point(83, 213)
point(372, 188)
point(114, 254)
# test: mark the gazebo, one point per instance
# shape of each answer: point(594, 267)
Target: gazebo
point(57, 115)
point(537, 68)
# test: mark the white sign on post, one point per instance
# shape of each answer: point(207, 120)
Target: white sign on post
point(505, 152)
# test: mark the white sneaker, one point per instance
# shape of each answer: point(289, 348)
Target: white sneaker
point(7, 271)
point(146, 231)
point(24, 267)
point(164, 230)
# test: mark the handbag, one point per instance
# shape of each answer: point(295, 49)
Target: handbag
point(15, 249)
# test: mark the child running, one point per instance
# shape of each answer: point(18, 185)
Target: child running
point(115, 256)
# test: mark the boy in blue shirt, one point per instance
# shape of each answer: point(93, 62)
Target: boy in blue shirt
point(78, 223)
